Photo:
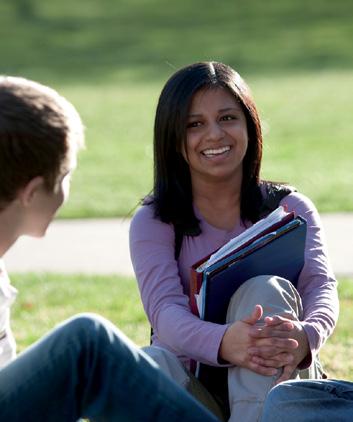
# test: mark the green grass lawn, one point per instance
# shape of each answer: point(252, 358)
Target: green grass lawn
point(112, 57)
point(44, 300)
point(307, 141)
point(337, 354)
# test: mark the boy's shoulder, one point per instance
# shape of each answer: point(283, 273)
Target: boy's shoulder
point(8, 295)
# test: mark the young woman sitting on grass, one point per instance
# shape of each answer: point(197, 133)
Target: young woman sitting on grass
point(207, 190)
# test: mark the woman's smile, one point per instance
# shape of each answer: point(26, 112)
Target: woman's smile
point(214, 152)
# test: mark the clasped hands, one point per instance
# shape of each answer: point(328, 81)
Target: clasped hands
point(278, 342)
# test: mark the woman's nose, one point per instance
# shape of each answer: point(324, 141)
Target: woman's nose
point(214, 132)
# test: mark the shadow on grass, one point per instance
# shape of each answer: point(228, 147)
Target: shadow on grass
point(100, 39)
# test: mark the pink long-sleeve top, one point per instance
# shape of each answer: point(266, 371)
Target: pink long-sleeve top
point(164, 282)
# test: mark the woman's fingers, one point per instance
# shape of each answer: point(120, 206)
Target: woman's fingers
point(272, 346)
point(279, 330)
point(277, 319)
point(277, 361)
point(262, 370)
point(287, 373)
point(255, 315)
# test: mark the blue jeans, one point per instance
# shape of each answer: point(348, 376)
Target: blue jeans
point(310, 401)
point(86, 368)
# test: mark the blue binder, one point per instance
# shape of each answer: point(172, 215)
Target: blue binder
point(278, 253)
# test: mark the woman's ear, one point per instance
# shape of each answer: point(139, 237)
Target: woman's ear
point(28, 193)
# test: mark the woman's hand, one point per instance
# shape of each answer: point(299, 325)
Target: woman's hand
point(276, 328)
point(238, 340)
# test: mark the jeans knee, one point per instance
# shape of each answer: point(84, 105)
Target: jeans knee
point(275, 393)
point(85, 327)
point(83, 321)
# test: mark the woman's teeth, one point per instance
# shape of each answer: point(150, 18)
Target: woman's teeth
point(215, 151)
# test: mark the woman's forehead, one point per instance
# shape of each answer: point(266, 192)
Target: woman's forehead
point(214, 95)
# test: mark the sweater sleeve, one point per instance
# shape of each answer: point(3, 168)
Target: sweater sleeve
point(161, 290)
point(317, 285)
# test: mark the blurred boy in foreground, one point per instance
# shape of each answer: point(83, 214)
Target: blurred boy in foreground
point(85, 367)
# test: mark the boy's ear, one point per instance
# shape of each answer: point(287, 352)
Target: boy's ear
point(28, 192)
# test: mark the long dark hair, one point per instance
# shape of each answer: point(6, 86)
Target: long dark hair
point(172, 192)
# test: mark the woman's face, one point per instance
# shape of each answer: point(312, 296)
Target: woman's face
point(216, 137)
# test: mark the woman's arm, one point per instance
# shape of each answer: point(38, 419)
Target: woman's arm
point(317, 285)
point(162, 294)
point(318, 290)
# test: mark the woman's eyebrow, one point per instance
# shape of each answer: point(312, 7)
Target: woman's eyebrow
point(194, 115)
point(222, 110)
point(235, 108)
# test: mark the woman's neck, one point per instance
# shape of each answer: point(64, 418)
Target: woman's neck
point(219, 204)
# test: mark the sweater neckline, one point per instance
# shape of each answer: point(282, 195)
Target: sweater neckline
point(209, 228)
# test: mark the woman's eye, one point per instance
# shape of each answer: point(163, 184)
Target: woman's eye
point(193, 124)
point(228, 117)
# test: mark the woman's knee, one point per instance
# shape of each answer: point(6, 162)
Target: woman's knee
point(275, 294)
point(263, 282)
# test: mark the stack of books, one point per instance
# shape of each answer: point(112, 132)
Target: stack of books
point(274, 245)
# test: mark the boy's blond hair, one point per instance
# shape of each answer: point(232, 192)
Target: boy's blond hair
point(39, 129)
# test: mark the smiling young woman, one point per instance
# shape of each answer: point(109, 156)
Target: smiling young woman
point(207, 188)
point(216, 136)
point(216, 144)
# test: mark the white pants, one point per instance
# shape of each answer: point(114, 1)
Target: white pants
point(247, 390)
